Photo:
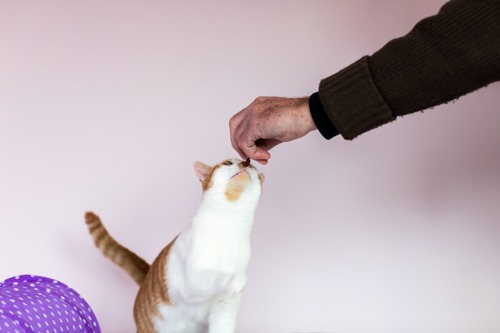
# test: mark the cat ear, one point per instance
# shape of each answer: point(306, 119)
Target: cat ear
point(261, 177)
point(201, 170)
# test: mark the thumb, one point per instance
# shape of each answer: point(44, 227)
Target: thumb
point(256, 153)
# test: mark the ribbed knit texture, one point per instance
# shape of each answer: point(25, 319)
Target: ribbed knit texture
point(352, 101)
point(445, 56)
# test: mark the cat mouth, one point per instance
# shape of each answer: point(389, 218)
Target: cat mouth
point(243, 167)
point(239, 172)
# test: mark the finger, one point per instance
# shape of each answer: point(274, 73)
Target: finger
point(237, 149)
point(263, 162)
point(261, 154)
point(256, 153)
point(241, 154)
point(234, 123)
point(246, 142)
point(268, 144)
point(258, 156)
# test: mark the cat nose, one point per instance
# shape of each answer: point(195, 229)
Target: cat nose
point(246, 163)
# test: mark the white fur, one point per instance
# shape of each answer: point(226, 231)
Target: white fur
point(207, 263)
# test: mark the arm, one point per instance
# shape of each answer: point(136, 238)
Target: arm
point(444, 57)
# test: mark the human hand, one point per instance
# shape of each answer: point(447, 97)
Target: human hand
point(267, 122)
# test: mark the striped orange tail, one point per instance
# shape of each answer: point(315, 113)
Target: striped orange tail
point(134, 265)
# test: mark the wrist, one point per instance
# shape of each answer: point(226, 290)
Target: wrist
point(320, 118)
point(306, 115)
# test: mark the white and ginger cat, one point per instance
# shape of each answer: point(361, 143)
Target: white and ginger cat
point(195, 283)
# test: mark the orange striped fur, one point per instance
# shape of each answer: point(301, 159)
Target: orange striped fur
point(153, 290)
point(134, 265)
point(153, 293)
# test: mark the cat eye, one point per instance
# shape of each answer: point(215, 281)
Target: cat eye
point(227, 163)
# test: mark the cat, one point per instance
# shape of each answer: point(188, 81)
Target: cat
point(195, 283)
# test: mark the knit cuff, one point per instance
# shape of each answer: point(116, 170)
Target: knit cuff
point(320, 118)
point(352, 101)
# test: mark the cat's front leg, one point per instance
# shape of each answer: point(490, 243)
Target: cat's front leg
point(237, 284)
point(223, 313)
point(203, 285)
point(233, 284)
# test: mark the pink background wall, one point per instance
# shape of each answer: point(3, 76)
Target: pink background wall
point(104, 106)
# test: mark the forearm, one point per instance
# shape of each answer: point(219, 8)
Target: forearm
point(445, 56)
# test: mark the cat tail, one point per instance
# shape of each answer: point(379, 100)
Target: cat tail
point(134, 265)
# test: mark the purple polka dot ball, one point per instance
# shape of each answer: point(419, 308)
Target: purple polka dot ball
point(30, 304)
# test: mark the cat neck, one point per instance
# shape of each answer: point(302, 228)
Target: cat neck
point(214, 212)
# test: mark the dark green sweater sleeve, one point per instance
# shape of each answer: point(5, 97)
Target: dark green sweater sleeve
point(442, 58)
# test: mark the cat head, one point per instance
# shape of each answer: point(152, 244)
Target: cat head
point(231, 179)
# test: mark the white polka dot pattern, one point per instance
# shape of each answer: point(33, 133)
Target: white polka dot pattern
point(30, 304)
